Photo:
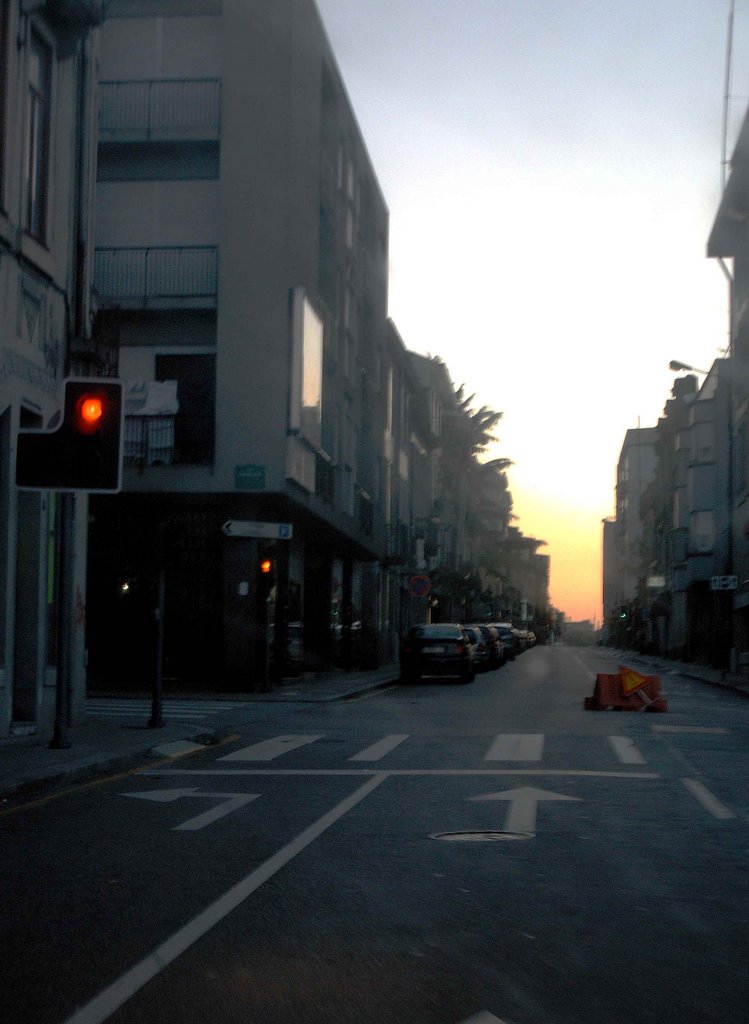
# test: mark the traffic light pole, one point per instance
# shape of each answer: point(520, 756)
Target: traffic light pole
point(157, 706)
point(65, 530)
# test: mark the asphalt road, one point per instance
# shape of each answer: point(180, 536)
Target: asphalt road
point(432, 854)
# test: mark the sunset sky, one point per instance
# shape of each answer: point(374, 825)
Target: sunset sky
point(552, 170)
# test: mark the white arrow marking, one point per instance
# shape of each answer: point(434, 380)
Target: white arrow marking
point(231, 802)
point(521, 814)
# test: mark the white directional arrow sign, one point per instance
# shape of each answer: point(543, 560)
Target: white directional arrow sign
point(231, 802)
point(521, 814)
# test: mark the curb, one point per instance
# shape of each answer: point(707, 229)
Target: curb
point(101, 764)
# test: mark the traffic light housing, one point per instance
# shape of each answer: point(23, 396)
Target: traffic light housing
point(84, 452)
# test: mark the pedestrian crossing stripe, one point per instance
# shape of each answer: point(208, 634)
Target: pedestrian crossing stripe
point(507, 748)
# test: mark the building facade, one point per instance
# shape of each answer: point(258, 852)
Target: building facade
point(47, 158)
point(241, 275)
point(729, 241)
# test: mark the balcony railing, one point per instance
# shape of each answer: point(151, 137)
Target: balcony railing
point(168, 440)
point(162, 108)
point(149, 441)
point(157, 273)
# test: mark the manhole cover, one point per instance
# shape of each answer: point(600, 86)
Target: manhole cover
point(481, 837)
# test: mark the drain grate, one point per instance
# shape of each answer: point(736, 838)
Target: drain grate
point(484, 836)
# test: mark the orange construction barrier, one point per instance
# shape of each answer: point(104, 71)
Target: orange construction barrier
point(626, 690)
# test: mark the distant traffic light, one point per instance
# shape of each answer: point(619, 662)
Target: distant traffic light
point(266, 566)
point(84, 452)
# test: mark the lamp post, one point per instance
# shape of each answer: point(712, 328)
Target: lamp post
point(676, 365)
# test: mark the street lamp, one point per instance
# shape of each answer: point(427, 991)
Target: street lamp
point(676, 365)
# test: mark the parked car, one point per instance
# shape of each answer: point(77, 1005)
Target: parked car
point(479, 648)
point(437, 649)
point(508, 636)
point(494, 644)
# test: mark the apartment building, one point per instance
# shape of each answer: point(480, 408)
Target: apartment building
point(241, 281)
point(47, 56)
point(624, 567)
point(729, 240)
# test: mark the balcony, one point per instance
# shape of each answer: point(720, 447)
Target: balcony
point(157, 277)
point(167, 440)
point(171, 109)
point(149, 441)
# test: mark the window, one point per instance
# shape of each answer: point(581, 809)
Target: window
point(37, 136)
point(194, 425)
point(703, 531)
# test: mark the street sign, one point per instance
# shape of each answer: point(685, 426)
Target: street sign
point(724, 583)
point(419, 585)
point(250, 477)
point(266, 531)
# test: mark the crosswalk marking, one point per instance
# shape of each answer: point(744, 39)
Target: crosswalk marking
point(378, 750)
point(268, 750)
point(516, 747)
point(625, 750)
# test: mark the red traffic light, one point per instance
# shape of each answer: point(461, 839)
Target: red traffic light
point(84, 451)
point(89, 411)
point(266, 565)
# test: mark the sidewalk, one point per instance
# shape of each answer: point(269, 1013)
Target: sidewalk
point(106, 744)
point(703, 673)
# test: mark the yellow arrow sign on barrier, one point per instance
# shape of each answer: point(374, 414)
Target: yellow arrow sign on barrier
point(632, 680)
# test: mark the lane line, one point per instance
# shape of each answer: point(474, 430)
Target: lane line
point(625, 750)
point(378, 750)
point(717, 730)
point(402, 772)
point(268, 750)
point(483, 1018)
point(708, 800)
point(102, 1006)
point(586, 669)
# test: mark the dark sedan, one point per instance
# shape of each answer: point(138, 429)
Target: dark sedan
point(436, 649)
point(494, 645)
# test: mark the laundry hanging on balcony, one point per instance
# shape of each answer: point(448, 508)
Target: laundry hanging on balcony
point(150, 408)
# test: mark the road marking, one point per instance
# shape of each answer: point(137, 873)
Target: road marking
point(625, 750)
point(229, 802)
point(101, 1007)
point(378, 750)
point(689, 728)
point(521, 814)
point(74, 790)
point(516, 747)
point(97, 707)
point(710, 802)
point(420, 772)
point(586, 669)
point(483, 1018)
point(270, 749)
